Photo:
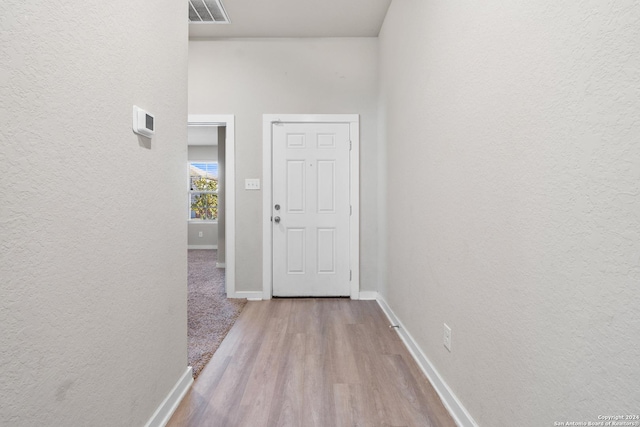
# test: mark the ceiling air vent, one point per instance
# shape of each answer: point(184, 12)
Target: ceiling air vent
point(208, 12)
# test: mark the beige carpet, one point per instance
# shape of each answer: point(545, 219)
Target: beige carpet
point(210, 313)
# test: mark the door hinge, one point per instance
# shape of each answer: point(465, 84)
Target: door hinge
point(350, 210)
point(349, 145)
point(350, 275)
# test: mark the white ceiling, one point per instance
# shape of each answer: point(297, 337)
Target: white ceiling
point(297, 18)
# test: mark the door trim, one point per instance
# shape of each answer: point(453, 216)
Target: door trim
point(353, 120)
point(228, 121)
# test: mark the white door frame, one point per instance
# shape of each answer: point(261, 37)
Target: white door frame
point(228, 121)
point(354, 220)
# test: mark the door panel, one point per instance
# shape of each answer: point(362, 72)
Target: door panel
point(296, 242)
point(311, 227)
point(326, 250)
point(326, 187)
point(296, 186)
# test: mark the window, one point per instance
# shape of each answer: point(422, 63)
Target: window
point(203, 191)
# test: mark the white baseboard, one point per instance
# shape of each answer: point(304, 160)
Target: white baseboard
point(221, 265)
point(161, 417)
point(458, 412)
point(251, 296)
point(202, 247)
point(368, 295)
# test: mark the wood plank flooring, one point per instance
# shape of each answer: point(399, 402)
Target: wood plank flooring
point(311, 362)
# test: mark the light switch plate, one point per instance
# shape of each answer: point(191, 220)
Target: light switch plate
point(252, 184)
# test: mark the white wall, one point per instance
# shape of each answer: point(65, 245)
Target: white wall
point(202, 135)
point(92, 218)
point(200, 153)
point(512, 133)
point(249, 78)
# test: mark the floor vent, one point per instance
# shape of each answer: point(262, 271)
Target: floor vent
point(208, 12)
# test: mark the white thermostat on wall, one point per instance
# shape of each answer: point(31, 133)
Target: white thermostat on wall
point(143, 122)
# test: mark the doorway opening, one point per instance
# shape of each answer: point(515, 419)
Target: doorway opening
point(212, 307)
point(213, 137)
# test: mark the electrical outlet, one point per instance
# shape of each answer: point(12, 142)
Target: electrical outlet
point(200, 233)
point(447, 337)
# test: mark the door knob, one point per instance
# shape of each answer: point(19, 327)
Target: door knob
point(277, 219)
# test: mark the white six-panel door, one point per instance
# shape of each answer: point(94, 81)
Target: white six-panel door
point(311, 208)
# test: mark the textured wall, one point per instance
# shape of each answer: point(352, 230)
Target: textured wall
point(249, 78)
point(92, 219)
point(512, 133)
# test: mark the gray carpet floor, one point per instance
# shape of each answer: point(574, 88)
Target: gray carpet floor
point(210, 313)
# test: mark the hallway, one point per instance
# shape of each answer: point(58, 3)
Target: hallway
point(311, 362)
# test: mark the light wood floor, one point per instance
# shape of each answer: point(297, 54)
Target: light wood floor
point(311, 362)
